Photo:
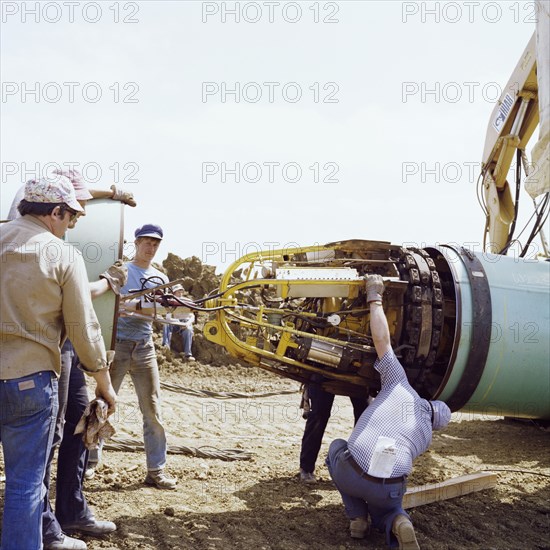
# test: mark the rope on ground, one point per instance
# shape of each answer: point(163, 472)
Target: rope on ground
point(221, 395)
point(125, 444)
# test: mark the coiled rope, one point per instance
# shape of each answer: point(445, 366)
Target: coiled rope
point(221, 395)
point(126, 444)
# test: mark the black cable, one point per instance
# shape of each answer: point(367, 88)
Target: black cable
point(516, 203)
point(145, 280)
point(539, 223)
point(214, 296)
point(190, 304)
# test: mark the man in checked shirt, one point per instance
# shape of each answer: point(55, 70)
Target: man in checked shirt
point(370, 470)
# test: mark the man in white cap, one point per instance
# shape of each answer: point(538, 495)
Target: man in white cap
point(72, 513)
point(135, 354)
point(45, 297)
point(370, 470)
point(82, 192)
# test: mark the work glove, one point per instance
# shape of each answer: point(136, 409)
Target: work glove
point(375, 288)
point(123, 196)
point(94, 425)
point(116, 276)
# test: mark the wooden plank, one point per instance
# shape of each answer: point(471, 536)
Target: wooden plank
point(450, 488)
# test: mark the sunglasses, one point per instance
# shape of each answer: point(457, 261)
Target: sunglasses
point(74, 215)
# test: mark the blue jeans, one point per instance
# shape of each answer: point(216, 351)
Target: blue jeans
point(28, 410)
point(51, 530)
point(140, 361)
point(186, 335)
point(70, 503)
point(383, 501)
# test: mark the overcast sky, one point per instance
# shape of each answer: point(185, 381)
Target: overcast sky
point(340, 120)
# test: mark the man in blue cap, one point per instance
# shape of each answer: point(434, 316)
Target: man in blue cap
point(135, 354)
point(370, 470)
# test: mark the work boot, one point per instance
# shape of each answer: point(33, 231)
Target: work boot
point(307, 477)
point(66, 543)
point(158, 479)
point(403, 529)
point(90, 526)
point(358, 528)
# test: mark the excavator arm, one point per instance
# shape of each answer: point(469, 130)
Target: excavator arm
point(511, 125)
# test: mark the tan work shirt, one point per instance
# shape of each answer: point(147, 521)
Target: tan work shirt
point(45, 296)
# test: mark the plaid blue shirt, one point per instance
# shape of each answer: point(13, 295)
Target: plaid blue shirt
point(397, 412)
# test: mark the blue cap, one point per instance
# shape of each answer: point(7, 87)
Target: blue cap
point(149, 230)
point(441, 415)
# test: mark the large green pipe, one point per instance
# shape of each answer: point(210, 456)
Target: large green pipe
point(500, 362)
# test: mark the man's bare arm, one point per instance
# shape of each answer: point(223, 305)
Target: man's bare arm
point(378, 323)
point(379, 329)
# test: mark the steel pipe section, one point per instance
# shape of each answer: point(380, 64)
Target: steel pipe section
point(497, 354)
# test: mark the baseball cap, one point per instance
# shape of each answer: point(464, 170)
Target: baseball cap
point(75, 177)
point(149, 230)
point(52, 190)
point(441, 415)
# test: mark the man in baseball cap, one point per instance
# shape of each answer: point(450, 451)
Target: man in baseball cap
point(370, 469)
point(149, 230)
point(52, 190)
point(441, 415)
point(82, 192)
point(32, 299)
point(135, 355)
point(49, 200)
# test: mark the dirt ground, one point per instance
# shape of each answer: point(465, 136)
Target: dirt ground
point(260, 504)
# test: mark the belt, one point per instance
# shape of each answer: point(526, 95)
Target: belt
point(143, 341)
point(363, 474)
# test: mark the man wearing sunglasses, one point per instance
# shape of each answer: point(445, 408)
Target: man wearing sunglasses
point(45, 294)
point(72, 513)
